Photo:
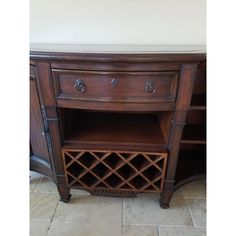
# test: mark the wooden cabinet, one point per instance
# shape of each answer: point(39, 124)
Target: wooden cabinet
point(118, 124)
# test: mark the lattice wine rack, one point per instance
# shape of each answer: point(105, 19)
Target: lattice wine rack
point(113, 172)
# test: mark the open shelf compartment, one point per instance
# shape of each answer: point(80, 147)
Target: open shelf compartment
point(195, 130)
point(122, 131)
point(191, 164)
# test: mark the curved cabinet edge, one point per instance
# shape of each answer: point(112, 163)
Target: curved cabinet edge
point(42, 166)
point(189, 180)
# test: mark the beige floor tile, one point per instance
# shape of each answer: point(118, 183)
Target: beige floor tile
point(34, 180)
point(59, 228)
point(197, 209)
point(89, 215)
point(34, 174)
point(79, 191)
point(145, 210)
point(43, 205)
point(39, 228)
point(46, 186)
point(195, 190)
point(181, 231)
point(136, 230)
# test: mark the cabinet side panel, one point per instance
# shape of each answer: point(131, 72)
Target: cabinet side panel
point(37, 139)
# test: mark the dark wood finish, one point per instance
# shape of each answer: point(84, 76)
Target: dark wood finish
point(186, 85)
point(194, 133)
point(127, 87)
point(200, 80)
point(114, 66)
point(196, 116)
point(64, 193)
point(114, 106)
point(45, 81)
point(40, 157)
point(106, 134)
point(191, 164)
point(192, 156)
point(198, 100)
point(37, 132)
point(94, 58)
point(40, 165)
point(165, 119)
point(195, 129)
point(189, 180)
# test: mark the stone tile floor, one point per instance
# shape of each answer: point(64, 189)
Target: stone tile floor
point(87, 215)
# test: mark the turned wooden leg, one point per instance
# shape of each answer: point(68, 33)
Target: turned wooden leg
point(64, 192)
point(166, 196)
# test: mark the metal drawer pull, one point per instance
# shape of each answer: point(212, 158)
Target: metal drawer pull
point(150, 87)
point(79, 86)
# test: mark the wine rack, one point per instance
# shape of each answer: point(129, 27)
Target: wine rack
point(114, 172)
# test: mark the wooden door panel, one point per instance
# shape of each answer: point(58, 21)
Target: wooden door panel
point(37, 137)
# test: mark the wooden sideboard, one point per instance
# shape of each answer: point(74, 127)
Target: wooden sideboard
point(118, 124)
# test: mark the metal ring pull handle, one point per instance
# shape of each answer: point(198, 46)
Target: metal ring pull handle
point(79, 86)
point(150, 87)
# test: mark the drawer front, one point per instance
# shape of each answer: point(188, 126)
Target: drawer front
point(116, 86)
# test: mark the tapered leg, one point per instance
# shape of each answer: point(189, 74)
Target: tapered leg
point(64, 192)
point(166, 196)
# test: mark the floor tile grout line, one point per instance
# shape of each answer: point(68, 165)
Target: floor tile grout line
point(200, 227)
point(185, 204)
point(158, 232)
point(160, 225)
point(52, 217)
point(38, 181)
point(122, 218)
point(36, 220)
point(195, 198)
point(181, 226)
point(191, 214)
point(42, 191)
point(53, 193)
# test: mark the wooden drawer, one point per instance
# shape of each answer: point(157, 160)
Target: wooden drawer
point(129, 87)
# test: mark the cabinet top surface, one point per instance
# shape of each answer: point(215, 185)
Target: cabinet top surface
point(115, 48)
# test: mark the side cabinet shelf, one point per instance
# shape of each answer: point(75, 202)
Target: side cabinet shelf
point(192, 156)
point(118, 124)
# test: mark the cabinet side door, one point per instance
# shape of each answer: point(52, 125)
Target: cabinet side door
point(37, 135)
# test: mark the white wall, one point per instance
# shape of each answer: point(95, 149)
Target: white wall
point(118, 21)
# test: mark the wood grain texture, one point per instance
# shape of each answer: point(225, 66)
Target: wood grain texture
point(116, 57)
point(128, 87)
point(37, 133)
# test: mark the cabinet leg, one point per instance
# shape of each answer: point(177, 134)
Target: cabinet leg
point(166, 196)
point(64, 192)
